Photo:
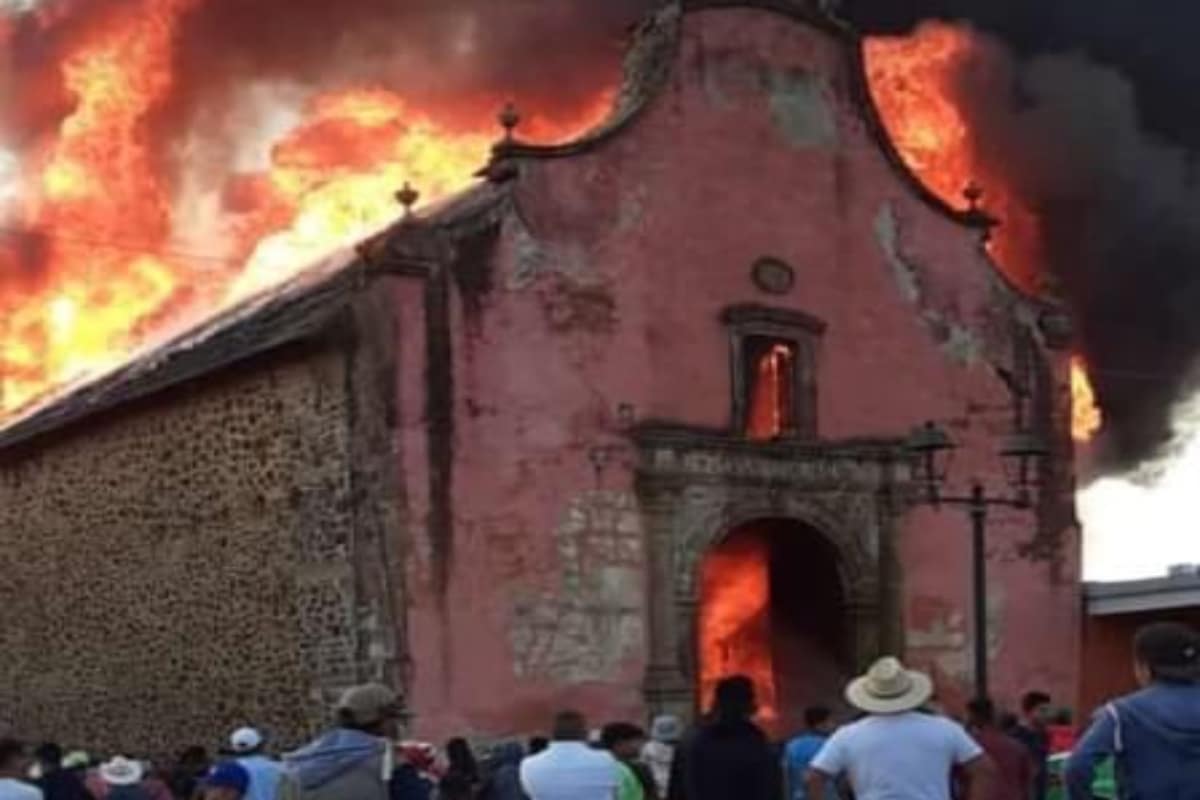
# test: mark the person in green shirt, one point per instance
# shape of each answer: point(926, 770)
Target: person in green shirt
point(624, 740)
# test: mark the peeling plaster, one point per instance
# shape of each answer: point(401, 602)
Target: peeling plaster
point(534, 258)
point(945, 638)
point(800, 109)
point(529, 258)
point(956, 340)
point(589, 625)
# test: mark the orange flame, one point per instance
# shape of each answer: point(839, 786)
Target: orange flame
point(91, 268)
point(1086, 417)
point(96, 184)
point(735, 632)
point(770, 396)
point(920, 86)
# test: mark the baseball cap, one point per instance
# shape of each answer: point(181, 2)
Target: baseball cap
point(369, 703)
point(245, 740)
point(228, 775)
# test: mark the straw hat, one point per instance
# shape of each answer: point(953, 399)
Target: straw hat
point(889, 688)
point(121, 771)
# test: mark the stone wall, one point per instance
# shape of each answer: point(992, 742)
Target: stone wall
point(185, 564)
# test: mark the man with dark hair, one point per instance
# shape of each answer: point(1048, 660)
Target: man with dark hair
point(729, 757)
point(800, 751)
point(1013, 779)
point(568, 769)
point(353, 760)
point(1031, 732)
point(624, 740)
point(57, 783)
point(1154, 734)
point(14, 766)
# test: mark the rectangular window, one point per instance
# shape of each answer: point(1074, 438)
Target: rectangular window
point(774, 361)
point(771, 407)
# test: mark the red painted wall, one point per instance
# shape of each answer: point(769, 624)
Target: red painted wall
point(608, 282)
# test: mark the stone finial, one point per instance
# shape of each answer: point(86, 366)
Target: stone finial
point(509, 119)
point(973, 192)
point(407, 197)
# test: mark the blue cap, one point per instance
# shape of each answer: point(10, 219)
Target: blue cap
point(228, 775)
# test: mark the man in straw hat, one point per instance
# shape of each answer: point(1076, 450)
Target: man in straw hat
point(896, 751)
point(1154, 734)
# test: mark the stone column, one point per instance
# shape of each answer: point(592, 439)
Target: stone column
point(667, 688)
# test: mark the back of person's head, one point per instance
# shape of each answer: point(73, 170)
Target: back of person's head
point(460, 756)
point(371, 708)
point(12, 753)
point(49, 754)
point(1167, 652)
point(1032, 701)
point(615, 734)
point(194, 756)
point(666, 728)
point(569, 726)
point(981, 713)
point(816, 717)
point(228, 780)
point(734, 698)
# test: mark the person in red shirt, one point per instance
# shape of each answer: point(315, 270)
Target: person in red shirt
point(1014, 776)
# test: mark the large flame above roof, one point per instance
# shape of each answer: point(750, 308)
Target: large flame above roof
point(104, 250)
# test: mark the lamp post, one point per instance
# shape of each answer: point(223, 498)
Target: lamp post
point(1021, 455)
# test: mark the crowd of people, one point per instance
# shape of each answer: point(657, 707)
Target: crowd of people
point(895, 746)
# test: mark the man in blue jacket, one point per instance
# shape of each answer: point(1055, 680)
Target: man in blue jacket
point(1153, 734)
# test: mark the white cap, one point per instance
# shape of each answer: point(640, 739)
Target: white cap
point(245, 740)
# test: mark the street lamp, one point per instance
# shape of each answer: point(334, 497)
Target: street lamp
point(1022, 456)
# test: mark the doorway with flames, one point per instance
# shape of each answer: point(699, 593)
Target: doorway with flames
point(771, 559)
point(772, 607)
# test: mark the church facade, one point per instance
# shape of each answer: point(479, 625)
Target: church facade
point(629, 415)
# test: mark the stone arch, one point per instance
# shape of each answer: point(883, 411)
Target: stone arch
point(780, 614)
point(694, 487)
point(834, 526)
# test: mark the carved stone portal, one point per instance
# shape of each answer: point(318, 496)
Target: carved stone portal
point(695, 486)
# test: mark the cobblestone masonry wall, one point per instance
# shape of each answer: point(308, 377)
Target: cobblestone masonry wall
point(179, 567)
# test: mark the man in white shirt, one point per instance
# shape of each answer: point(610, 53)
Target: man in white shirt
point(569, 769)
point(896, 752)
point(14, 766)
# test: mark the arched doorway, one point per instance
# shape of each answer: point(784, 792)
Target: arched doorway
point(772, 606)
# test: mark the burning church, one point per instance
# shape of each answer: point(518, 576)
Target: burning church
point(626, 415)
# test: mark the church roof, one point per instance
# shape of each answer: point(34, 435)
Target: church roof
point(300, 308)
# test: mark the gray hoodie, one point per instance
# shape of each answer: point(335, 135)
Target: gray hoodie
point(342, 764)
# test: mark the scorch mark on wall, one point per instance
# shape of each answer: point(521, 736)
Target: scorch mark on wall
point(591, 623)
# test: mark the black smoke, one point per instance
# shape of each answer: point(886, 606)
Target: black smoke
point(1090, 106)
